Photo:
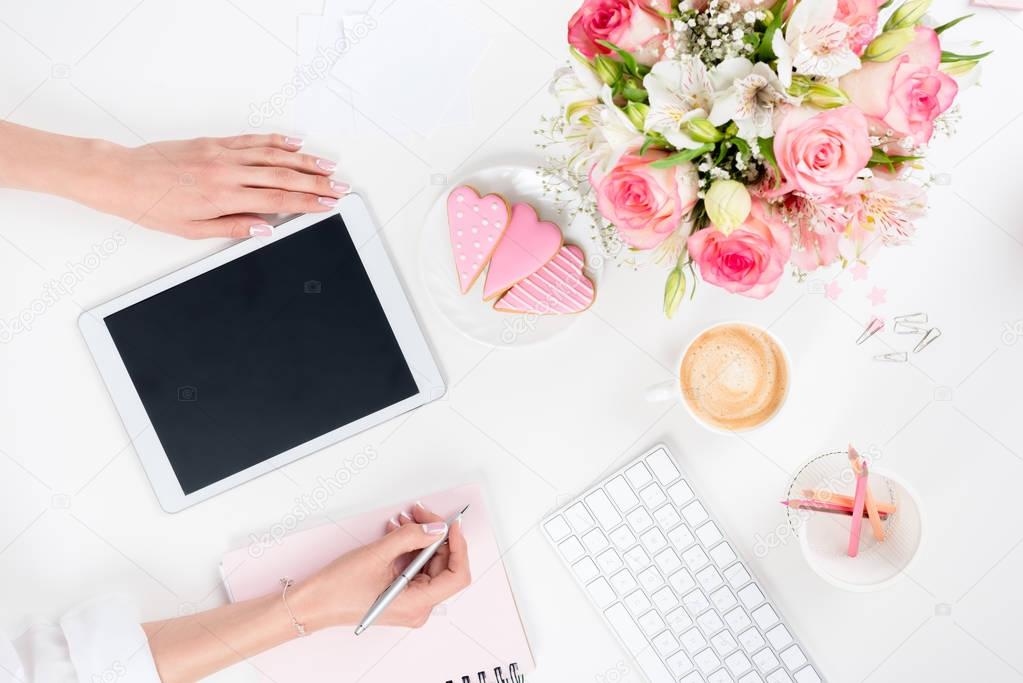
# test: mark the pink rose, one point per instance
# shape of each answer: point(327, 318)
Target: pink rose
point(907, 93)
point(632, 25)
point(820, 153)
point(750, 260)
point(645, 204)
point(861, 18)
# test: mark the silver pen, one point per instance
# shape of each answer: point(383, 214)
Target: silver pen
point(400, 583)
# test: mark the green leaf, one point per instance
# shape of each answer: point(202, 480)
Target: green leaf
point(947, 57)
point(766, 147)
point(633, 93)
point(683, 156)
point(944, 27)
point(743, 147)
point(879, 157)
point(630, 62)
point(765, 51)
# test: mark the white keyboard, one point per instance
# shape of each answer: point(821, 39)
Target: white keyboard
point(669, 584)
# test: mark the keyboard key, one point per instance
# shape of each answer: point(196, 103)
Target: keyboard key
point(586, 570)
point(737, 619)
point(694, 513)
point(779, 637)
point(557, 528)
point(637, 602)
point(602, 508)
point(622, 494)
point(637, 559)
point(693, 640)
point(765, 616)
point(706, 661)
point(652, 666)
point(667, 560)
point(751, 596)
point(652, 496)
point(723, 642)
point(623, 537)
point(692, 678)
point(779, 676)
point(634, 640)
point(710, 622)
point(665, 643)
point(751, 677)
point(667, 517)
point(572, 549)
point(651, 623)
point(765, 660)
point(579, 517)
point(751, 640)
point(722, 554)
point(681, 537)
point(709, 578)
point(793, 658)
point(680, 493)
point(723, 599)
point(650, 579)
point(695, 558)
point(679, 620)
point(600, 591)
point(663, 466)
point(678, 663)
point(682, 581)
point(609, 561)
point(638, 475)
point(695, 601)
point(804, 675)
point(737, 576)
point(709, 534)
point(640, 520)
point(664, 599)
point(595, 541)
point(719, 676)
point(653, 540)
point(737, 663)
point(624, 582)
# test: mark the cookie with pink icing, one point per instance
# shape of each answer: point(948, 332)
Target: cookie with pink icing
point(527, 246)
point(560, 286)
point(476, 225)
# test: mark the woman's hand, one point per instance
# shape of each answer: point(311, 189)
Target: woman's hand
point(343, 592)
point(211, 187)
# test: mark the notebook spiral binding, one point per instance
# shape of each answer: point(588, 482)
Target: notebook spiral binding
point(481, 677)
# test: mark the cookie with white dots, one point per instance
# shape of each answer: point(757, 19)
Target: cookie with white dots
point(476, 225)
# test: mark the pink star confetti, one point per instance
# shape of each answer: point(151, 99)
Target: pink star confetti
point(859, 272)
point(833, 290)
point(878, 296)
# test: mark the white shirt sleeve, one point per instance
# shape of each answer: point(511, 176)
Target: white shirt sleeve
point(98, 642)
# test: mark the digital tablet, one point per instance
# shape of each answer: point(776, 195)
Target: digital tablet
point(261, 354)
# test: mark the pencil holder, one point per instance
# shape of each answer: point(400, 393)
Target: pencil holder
point(824, 538)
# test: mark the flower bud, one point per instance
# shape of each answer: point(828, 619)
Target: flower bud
point(800, 85)
point(702, 130)
point(608, 69)
point(825, 96)
point(889, 44)
point(637, 111)
point(674, 290)
point(728, 204)
point(908, 14)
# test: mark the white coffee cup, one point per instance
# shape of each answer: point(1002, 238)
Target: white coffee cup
point(674, 391)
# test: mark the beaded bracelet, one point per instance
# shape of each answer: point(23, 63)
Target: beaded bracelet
point(287, 583)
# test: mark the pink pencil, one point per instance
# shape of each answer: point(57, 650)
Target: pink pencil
point(859, 502)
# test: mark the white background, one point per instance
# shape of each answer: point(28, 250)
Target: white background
point(77, 516)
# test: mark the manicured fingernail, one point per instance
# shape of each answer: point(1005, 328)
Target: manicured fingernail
point(261, 230)
point(327, 201)
point(406, 516)
point(294, 142)
point(394, 521)
point(326, 164)
point(419, 504)
point(435, 528)
point(340, 188)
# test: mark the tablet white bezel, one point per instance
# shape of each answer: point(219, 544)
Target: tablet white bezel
point(392, 298)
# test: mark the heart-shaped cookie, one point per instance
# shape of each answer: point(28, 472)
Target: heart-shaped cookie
point(528, 244)
point(476, 225)
point(559, 287)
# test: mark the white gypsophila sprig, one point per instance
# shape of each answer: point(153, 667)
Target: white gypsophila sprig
point(715, 33)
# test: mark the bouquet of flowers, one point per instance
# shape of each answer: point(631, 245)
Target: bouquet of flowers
point(734, 137)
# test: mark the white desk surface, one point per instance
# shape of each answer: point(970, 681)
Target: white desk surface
point(77, 516)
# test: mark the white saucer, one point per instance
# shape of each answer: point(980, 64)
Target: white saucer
point(471, 315)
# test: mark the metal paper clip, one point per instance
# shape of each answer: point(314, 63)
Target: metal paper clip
point(914, 318)
point(897, 357)
point(929, 338)
point(873, 327)
point(911, 324)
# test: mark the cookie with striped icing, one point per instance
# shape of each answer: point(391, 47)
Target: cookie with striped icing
point(559, 287)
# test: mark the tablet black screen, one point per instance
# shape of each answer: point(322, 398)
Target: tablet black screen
point(262, 354)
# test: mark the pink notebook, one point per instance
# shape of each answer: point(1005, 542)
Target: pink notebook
point(475, 636)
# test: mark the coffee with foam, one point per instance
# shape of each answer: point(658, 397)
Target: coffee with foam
point(734, 377)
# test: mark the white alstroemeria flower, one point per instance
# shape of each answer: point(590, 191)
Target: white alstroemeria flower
point(814, 44)
point(618, 134)
point(746, 93)
point(576, 83)
point(679, 90)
